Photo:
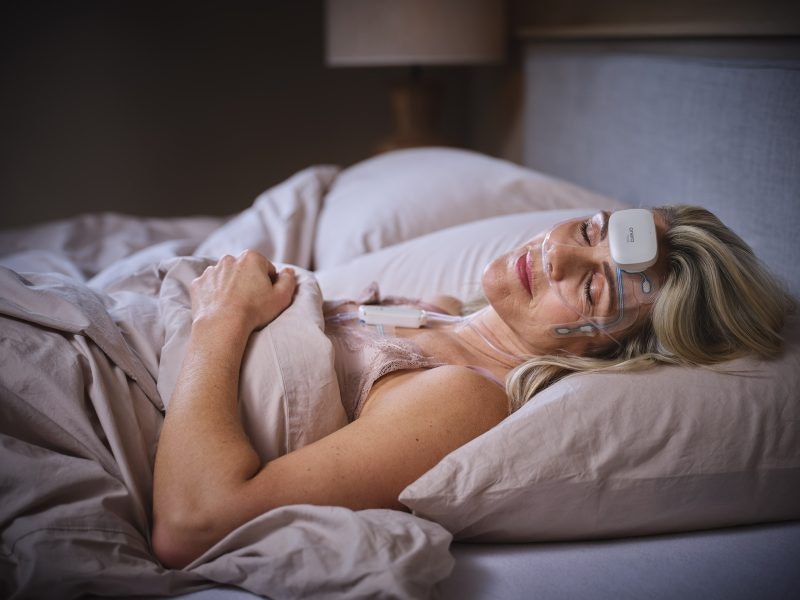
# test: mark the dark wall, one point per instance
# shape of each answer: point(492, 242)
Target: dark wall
point(627, 18)
point(182, 107)
point(171, 107)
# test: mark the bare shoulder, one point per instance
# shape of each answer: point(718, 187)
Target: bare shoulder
point(450, 304)
point(452, 390)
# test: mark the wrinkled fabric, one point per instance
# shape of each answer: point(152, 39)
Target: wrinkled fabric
point(85, 372)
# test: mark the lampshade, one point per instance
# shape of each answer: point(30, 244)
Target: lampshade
point(414, 32)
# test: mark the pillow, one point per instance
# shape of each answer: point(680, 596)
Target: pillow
point(281, 224)
point(599, 455)
point(611, 455)
point(404, 194)
point(450, 261)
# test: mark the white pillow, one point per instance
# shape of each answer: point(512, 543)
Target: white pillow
point(670, 449)
point(405, 194)
point(450, 261)
point(281, 224)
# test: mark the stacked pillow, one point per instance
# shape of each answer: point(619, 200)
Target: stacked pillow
point(405, 194)
point(445, 262)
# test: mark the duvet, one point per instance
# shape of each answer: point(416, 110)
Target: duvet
point(94, 319)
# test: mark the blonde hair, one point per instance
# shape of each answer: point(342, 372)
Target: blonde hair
point(717, 302)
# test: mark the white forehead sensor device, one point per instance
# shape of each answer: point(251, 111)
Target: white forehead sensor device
point(397, 316)
point(632, 239)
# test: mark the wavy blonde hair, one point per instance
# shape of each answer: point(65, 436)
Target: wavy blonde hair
point(717, 302)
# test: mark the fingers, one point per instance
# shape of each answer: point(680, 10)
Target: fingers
point(285, 285)
point(254, 258)
point(247, 287)
point(272, 272)
point(248, 259)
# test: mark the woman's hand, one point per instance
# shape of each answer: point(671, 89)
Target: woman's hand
point(204, 455)
point(247, 291)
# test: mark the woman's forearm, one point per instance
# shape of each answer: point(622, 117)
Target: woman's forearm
point(204, 458)
point(203, 454)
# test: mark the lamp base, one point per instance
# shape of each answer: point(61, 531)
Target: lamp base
point(415, 113)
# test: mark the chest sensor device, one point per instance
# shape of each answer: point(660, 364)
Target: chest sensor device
point(397, 316)
point(401, 316)
point(632, 239)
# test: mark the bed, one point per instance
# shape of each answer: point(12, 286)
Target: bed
point(602, 506)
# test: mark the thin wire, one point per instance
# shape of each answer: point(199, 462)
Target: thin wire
point(352, 315)
point(439, 317)
point(348, 315)
point(488, 342)
point(445, 318)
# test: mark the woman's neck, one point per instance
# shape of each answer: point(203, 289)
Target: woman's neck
point(481, 339)
point(488, 337)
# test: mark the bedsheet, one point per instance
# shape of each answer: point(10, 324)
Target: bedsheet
point(89, 349)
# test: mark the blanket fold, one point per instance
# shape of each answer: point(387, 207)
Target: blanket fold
point(86, 371)
point(53, 300)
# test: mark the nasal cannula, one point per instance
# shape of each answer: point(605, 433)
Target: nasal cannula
point(411, 318)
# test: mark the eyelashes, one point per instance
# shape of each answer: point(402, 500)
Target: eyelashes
point(587, 287)
point(584, 231)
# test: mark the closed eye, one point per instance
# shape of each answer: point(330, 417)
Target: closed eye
point(587, 289)
point(585, 232)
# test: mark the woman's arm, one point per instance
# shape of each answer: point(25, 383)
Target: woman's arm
point(203, 451)
point(209, 479)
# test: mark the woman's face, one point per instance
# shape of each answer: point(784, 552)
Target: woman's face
point(580, 282)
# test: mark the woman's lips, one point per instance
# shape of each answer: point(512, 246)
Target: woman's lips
point(524, 271)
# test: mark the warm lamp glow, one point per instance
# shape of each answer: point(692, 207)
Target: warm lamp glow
point(415, 33)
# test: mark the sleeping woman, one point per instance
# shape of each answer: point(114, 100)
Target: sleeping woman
point(573, 299)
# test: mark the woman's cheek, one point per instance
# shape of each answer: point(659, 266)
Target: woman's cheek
point(492, 281)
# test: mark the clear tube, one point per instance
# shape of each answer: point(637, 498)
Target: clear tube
point(341, 317)
point(431, 317)
point(443, 317)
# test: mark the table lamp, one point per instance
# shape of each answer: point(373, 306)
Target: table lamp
point(414, 33)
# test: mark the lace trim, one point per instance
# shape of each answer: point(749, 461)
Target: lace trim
point(414, 359)
point(379, 355)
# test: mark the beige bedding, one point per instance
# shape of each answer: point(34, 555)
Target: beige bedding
point(88, 356)
point(75, 459)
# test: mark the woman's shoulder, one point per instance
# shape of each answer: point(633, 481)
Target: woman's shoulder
point(447, 304)
point(452, 390)
point(468, 380)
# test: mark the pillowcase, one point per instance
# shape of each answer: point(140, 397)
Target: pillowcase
point(611, 455)
point(450, 261)
point(281, 224)
point(404, 194)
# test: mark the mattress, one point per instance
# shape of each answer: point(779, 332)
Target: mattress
point(726, 564)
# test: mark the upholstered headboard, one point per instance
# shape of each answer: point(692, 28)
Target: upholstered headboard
point(651, 129)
